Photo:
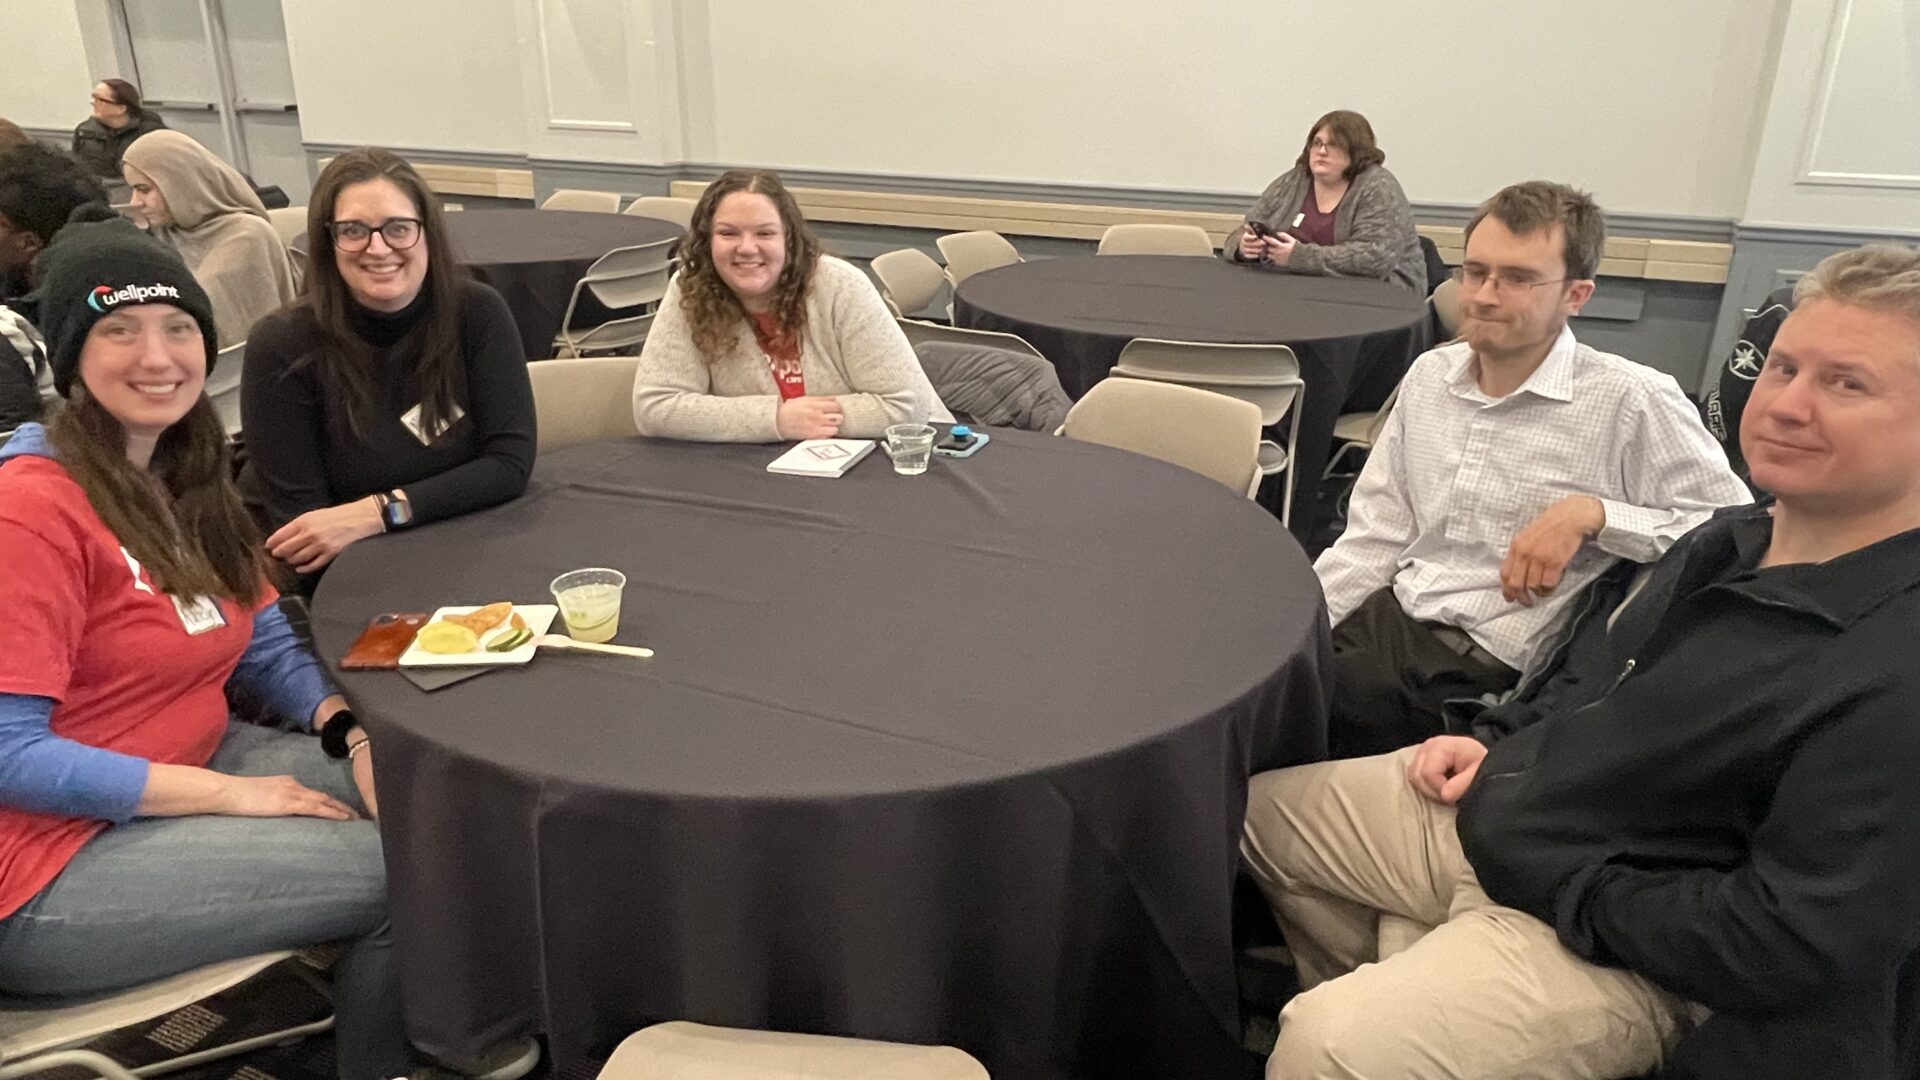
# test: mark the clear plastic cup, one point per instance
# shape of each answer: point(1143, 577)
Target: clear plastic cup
point(911, 447)
point(590, 602)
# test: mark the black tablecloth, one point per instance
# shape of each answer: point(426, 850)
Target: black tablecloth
point(957, 759)
point(534, 257)
point(1354, 338)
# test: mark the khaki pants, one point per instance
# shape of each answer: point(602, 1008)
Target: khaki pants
point(1489, 993)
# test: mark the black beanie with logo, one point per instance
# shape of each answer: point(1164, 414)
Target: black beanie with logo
point(101, 262)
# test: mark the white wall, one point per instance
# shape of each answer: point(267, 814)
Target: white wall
point(406, 73)
point(602, 79)
point(1651, 104)
point(1716, 108)
point(45, 79)
point(1842, 140)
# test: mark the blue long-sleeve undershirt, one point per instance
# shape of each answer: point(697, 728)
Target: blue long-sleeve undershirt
point(44, 773)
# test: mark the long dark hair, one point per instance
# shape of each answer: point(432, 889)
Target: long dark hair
point(182, 518)
point(714, 314)
point(126, 94)
point(431, 348)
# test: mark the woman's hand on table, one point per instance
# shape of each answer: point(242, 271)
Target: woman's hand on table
point(1279, 248)
point(809, 418)
point(1252, 247)
point(312, 540)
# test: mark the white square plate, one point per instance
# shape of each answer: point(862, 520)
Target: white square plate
point(538, 617)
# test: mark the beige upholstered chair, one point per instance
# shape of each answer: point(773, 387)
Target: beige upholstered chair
point(223, 385)
point(625, 277)
point(1156, 240)
point(969, 253)
point(1268, 376)
point(601, 202)
point(47, 1036)
point(909, 280)
point(289, 221)
point(684, 1051)
point(1214, 435)
point(918, 331)
point(664, 208)
point(589, 399)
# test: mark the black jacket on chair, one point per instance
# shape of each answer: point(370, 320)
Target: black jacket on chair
point(1721, 792)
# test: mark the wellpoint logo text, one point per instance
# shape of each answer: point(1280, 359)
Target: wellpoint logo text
point(106, 296)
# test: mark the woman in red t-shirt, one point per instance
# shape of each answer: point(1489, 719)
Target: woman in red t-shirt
point(142, 833)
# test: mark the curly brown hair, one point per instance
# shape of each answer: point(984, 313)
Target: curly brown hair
point(714, 314)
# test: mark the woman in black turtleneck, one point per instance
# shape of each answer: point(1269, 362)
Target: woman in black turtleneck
point(394, 392)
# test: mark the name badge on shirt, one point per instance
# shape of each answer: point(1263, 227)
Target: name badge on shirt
point(411, 421)
point(199, 614)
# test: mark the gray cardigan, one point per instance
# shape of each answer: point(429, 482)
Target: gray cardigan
point(1373, 233)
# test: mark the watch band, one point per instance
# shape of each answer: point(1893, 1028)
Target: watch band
point(333, 733)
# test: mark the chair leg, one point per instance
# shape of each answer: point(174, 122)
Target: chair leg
point(1339, 455)
point(1293, 466)
point(99, 1064)
point(234, 1049)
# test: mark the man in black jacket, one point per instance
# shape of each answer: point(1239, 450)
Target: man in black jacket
point(1695, 844)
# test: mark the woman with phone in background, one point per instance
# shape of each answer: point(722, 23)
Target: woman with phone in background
point(763, 338)
point(1338, 213)
point(142, 832)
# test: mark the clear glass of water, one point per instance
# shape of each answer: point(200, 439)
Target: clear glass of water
point(911, 447)
point(590, 602)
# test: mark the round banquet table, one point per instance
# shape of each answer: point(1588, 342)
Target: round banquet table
point(958, 759)
point(533, 258)
point(1354, 337)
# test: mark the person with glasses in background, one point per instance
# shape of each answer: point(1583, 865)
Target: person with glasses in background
point(1337, 213)
point(1518, 466)
point(101, 140)
point(394, 392)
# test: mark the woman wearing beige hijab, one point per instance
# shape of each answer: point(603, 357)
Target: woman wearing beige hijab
point(209, 213)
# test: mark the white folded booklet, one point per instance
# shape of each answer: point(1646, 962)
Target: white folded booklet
point(821, 457)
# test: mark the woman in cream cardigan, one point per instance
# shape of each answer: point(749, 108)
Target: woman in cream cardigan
point(761, 338)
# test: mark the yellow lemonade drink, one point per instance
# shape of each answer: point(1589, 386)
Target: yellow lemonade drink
point(590, 603)
point(592, 612)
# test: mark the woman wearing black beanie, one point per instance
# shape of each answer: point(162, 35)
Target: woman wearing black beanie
point(142, 832)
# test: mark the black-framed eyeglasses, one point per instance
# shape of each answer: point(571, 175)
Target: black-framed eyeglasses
point(1472, 277)
point(104, 100)
point(400, 233)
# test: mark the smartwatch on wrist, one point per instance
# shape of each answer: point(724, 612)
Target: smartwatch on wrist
point(397, 511)
point(333, 733)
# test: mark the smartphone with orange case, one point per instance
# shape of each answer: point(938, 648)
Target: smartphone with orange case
point(387, 636)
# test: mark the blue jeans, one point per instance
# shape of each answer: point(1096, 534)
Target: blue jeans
point(158, 896)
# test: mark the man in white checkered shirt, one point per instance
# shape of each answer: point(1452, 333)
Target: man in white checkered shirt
point(1517, 466)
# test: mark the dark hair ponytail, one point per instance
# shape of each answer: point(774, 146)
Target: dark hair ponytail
point(125, 93)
